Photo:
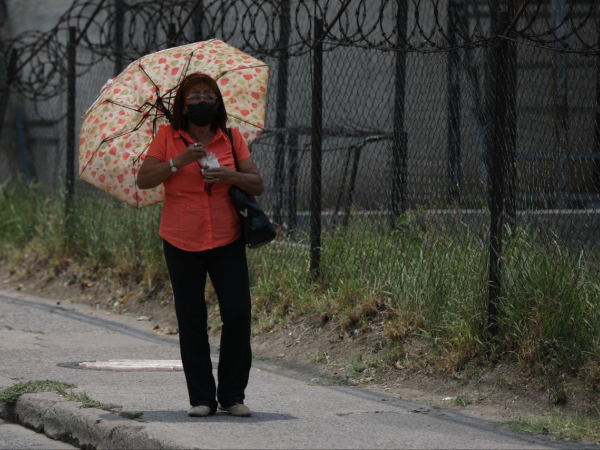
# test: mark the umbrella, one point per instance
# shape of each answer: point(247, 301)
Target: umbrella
point(120, 125)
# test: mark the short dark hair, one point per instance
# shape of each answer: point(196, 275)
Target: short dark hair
point(179, 121)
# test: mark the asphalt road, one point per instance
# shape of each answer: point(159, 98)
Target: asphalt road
point(40, 340)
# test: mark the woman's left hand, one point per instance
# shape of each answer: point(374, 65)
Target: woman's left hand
point(220, 175)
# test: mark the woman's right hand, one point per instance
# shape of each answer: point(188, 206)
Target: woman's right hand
point(191, 154)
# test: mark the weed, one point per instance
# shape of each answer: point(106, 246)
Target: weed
point(320, 357)
point(87, 402)
point(461, 400)
point(500, 383)
point(375, 362)
point(357, 366)
point(328, 381)
point(591, 373)
point(395, 354)
point(11, 394)
point(558, 426)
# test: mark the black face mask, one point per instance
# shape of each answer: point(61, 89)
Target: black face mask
point(201, 114)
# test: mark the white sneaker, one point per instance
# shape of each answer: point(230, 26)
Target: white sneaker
point(199, 411)
point(237, 410)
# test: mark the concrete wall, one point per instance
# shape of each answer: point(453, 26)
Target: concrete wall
point(34, 15)
point(43, 146)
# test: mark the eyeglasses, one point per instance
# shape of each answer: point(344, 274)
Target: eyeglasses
point(194, 99)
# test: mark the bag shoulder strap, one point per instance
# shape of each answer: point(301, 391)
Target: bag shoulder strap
point(185, 141)
point(230, 136)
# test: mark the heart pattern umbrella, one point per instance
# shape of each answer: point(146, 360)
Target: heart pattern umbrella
point(120, 125)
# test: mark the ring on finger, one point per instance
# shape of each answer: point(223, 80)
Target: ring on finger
point(195, 144)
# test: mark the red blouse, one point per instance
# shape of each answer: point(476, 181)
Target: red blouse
point(191, 219)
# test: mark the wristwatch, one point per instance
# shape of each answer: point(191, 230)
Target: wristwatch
point(172, 164)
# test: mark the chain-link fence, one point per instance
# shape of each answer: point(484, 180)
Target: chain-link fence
point(401, 135)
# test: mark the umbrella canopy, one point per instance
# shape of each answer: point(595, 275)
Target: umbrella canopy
point(119, 127)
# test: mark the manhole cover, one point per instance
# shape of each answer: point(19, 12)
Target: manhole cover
point(133, 365)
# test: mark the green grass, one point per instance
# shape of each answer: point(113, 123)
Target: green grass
point(433, 283)
point(11, 394)
point(329, 381)
point(357, 366)
point(101, 232)
point(87, 402)
point(558, 426)
point(422, 279)
point(461, 400)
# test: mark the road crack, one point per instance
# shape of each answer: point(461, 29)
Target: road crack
point(368, 412)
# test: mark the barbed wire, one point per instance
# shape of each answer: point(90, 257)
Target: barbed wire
point(120, 30)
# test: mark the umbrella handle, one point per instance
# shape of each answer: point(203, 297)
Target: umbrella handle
point(164, 110)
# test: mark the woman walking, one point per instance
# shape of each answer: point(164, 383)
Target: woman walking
point(201, 234)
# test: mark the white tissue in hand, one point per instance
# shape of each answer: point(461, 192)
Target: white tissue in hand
point(210, 161)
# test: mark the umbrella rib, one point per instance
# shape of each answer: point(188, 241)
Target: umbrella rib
point(185, 69)
point(153, 83)
point(166, 112)
point(140, 110)
point(151, 80)
point(241, 68)
point(141, 153)
point(245, 121)
point(119, 104)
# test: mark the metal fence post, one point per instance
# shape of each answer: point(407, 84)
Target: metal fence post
point(316, 150)
point(400, 144)
point(497, 176)
point(171, 35)
point(597, 128)
point(197, 20)
point(4, 85)
point(490, 98)
point(293, 165)
point(454, 134)
point(560, 72)
point(71, 112)
point(22, 143)
point(509, 85)
point(119, 47)
point(281, 111)
point(9, 74)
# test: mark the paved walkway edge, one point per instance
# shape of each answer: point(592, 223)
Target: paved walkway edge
point(88, 428)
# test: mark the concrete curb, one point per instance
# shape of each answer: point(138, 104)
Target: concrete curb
point(88, 428)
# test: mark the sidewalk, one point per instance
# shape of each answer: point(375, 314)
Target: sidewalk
point(40, 340)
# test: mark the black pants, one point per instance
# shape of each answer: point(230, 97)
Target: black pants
point(228, 271)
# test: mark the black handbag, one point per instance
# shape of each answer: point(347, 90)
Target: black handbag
point(257, 229)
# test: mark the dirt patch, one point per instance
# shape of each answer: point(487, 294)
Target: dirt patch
point(332, 352)
point(498, 391)
point(100, 291)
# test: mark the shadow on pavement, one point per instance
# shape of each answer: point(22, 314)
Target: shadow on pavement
point(169, 416)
